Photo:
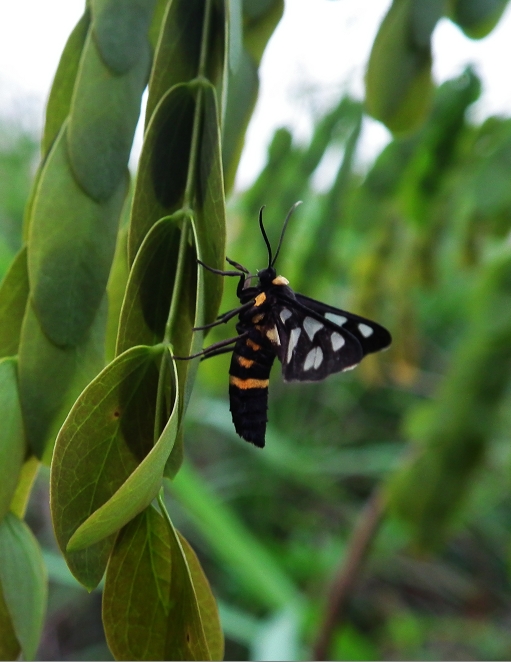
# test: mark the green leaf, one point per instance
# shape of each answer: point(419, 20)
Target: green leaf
point(61, 92)
point(104, 113)
point(150, 285)
point(24, 487)
point(69, 261)
point(51, 378)
point(13, 300)
point(107, 434)
point(398, 80)
point(177, 56)
point(9, 646)
point(12, 436)
point(149, 569)
point(120, 29)
point(210, 204)
point(135, 494)
point(235, 34)
point(136, 594)
point(24, 583)
point(186, 638)
point(116, 289)
point(477, 18)
point(207, 604)
point(163, 166)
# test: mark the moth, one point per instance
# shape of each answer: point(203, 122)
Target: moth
point(311, 339)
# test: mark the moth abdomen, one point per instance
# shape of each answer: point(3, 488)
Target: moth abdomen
point(248, 388)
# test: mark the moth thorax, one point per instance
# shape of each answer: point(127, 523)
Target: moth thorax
point(280, 280)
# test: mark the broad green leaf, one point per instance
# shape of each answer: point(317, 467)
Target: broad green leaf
point(61, 92)
point(120, 29)
point(116, 289)
point(13, 300)
point(210, 204)
point(398, 80)
point(12, 435)
point(136, 493)
point(477, 18)
point(146, 304)
point(177, 56)
point(186, 638)
point(157, 603)
point(107, 434)
point(163, 167)
point(51, 378)
point(24, 583)
point(104, 113)
point(69, 261)
point(207, 604)
point(9, 646)
point(157, 21)
point(24, 487)
point(136, 597)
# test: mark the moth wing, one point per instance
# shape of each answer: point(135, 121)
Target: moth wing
point(310, 349)
point(372, 336)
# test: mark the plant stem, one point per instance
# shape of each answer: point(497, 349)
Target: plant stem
point(347, 574)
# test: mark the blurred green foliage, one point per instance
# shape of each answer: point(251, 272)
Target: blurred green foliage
point(420, 243)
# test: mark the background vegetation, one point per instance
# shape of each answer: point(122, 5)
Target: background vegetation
point(376, 524)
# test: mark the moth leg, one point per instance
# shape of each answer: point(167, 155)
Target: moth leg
point(237, 265)
point(217, 352)
point(220, 272)
point(211, 348)
point(225, 317)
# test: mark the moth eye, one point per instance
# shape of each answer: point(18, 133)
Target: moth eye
point(313, 359)
point(285, 314)
point(311, 326)
point(365, 330)
point(337, 341)
point(336, 319)
point(293, 339)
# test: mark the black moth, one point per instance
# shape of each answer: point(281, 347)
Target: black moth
point(311, 339)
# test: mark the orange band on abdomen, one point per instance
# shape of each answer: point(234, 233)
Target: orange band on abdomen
point(248, 383)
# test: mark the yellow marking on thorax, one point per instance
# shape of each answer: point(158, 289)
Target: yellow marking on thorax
point(253, 345)
point(280, 280)
point(257, 318)
point(246, 363)
point(273, 336)
point(248, 383)
point(260, 299)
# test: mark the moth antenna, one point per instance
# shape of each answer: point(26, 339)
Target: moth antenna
point(265, 236)
point(289, 213)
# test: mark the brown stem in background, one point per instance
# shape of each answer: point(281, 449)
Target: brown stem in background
point(348, 573)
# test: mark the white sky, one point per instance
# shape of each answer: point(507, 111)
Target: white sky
point(319, 49)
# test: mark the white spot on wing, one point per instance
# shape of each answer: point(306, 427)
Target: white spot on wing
point(313, 359)
point(285, 314)
point(293, 339)
point(365, 330)
point(311, 326)
point(337, 341)
point(336, 319)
